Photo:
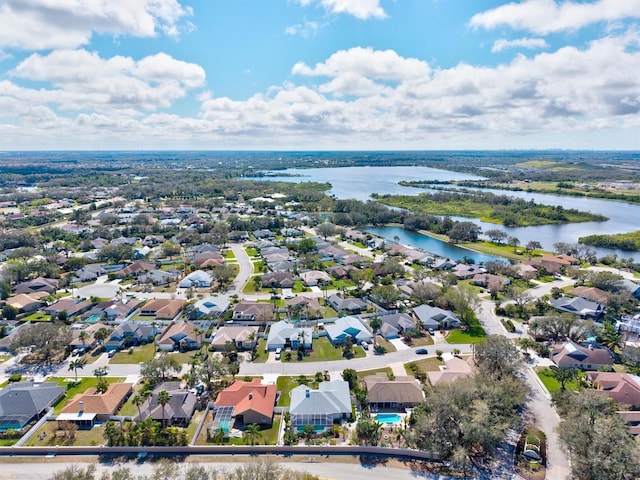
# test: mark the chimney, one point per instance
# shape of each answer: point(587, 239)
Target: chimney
point(307, 393)
point(80, 408)
point(251, 396)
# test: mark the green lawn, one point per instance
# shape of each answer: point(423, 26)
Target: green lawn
point(552, 384)
point(261, 355)
point(95, 436)
point(324, 351)
point(474, 334)
point(328, 312)
point(423, 340)
point(73, 388)
point(286, 384)
point(143, 353)
point(184, 357)
point(430, 364)
point(364, 373)
point(251, 251)
point(383, 342)
point(270, 435)
point(228, 254)
point(37, 317)
point(344, 283)
point(299, 287)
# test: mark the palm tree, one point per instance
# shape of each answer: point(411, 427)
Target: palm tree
point(138, 400)
point(375, 325)
point(75, 365)
point(84, 336)
point(252, 433)
point(163, 399)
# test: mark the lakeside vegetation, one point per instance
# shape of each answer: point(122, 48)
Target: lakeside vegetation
point(500, 209)
point(623, 241)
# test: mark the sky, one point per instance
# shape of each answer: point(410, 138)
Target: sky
point(319, 74)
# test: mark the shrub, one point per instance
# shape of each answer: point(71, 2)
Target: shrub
point(15, 377)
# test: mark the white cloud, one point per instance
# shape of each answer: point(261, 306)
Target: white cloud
point(361, 9)
point(49, 24)
point(83, 80)
point(358, 98)
point(307, 29)
point(547, 16)
point(528, 43)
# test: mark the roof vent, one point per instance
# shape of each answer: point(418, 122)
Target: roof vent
point(307, 393)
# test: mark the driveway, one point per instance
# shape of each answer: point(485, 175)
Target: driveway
point(399, 344)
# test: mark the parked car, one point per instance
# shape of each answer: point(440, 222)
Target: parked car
point(364, 345)
point(421, 351)
point(278, 352)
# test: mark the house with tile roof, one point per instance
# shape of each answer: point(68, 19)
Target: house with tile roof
point(26, 302)
point(320, 408)
point(251, 402)
point(87, 408)
point(23, 402)
point(453, 369)
point(622, 388)
point(163, 309)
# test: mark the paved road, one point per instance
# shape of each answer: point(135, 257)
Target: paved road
point(31, 470)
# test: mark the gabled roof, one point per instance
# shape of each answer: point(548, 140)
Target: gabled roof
point(622, 388)
point(348, 326)
point(234, 333)
point(572, 353)
point(281, 331)
point(100, 403)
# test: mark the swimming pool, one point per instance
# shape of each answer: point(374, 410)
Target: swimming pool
point(388, 418)
point(93, 318)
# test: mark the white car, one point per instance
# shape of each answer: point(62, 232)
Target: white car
point(278, 352)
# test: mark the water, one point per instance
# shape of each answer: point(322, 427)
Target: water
point(429, 244)
point(360, 182)
point(388, 418)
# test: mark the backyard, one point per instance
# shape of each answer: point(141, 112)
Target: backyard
point(134, 355)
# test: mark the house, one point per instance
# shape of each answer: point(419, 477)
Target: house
point(632, 287)
point(197, 279)
point(27, 302)
point(86, 339)
point(350, 305)
point(622, 388)
point(245, 403)
point(263, 233)
point(277, 280)
point(163, 309)
point(490, 281)
point(179, 410)
point(131, 333)
point(23, 402)
point(87, 408)
point(525, 271)
point(136, 268)
point(180, 336)
point(208, 258)
point(398, 394)
point(88, 274)
point(116, 310)
point(286, 335)
point(453, 369)
point(590, 293)
point(313, 278)
point(40, 284)
point(245, 337)
point(320, 408)
point(574, 355)
point(345, 327)
point(210, 306)
point(463, 271)
point(158, 277)
point(435, 317)
point(73, 307)
point(579, 306)
point(262, 312)
point(393, 325)
point(303, 308)
point(632, 420)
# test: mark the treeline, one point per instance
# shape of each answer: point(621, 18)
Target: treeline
point(509, 211)
point(622, 241)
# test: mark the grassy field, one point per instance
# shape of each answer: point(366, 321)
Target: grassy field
point(324, 351)
point(430, 364)
point(474, 334)
point(388, 346)
point(286, 384)
point(143, 353)
point(37, 317)
point(261, 356)
point(552, 384)
point(92, 437)
point(364, 373)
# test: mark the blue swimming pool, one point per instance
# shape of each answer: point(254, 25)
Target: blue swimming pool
point(388, 418)
point(93, 318)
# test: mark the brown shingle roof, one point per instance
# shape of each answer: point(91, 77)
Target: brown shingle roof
point(101, 404)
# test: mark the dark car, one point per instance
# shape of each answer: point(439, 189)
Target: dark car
point(422, 351)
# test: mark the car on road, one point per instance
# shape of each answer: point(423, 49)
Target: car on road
point(421, 351)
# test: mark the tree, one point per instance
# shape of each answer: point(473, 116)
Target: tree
point(531, 246)
point(497, 357)
point(496, 235)
point(464, 232)
point(47, 341)
point(75, 365)
point(158, 369)
point(368, 431)
point(347, 347)
point(163, 399)
point(9, 312)
point(350, 376)
point(101, 335)
point(514, 242)
point(375, 325)
point(385, 295)
point(252, 434)
point(563, 375)
point(326, 229)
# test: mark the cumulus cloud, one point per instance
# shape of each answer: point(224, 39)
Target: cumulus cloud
point(361, 9)
point(356, 98)
point(547, 16)
point(528, 43)
point(84, 80)
point(49, 24)
point(306, 29)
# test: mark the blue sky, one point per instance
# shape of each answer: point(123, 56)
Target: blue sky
point(319, 74)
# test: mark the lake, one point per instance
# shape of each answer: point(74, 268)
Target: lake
point(360, 182)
